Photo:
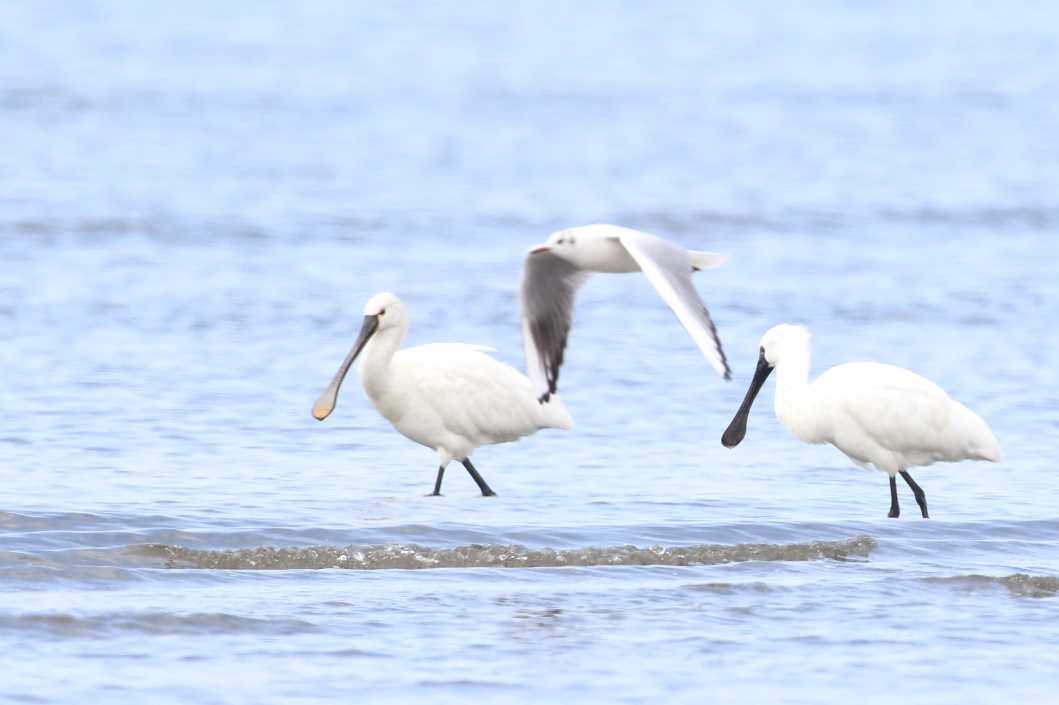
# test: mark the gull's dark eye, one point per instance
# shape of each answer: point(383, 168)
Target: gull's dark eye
point(382, 312)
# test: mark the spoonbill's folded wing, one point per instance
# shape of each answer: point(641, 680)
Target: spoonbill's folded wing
point(669, 268)
point(470, 346)
point(549, 284)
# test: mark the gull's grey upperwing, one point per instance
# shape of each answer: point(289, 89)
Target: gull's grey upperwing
point(669, 269)
point(549, 284)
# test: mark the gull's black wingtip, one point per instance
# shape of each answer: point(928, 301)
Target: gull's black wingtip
point(553, 388)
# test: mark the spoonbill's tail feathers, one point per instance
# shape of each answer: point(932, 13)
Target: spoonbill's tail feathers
point(981, 443)
point(554, 414)
point(706, 260)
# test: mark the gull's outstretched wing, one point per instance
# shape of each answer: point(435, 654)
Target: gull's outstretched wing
point(549, 284)
point(668, 267)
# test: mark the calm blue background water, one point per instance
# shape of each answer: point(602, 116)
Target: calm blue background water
point(195, 202)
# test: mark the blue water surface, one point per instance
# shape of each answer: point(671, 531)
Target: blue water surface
point(196, 200)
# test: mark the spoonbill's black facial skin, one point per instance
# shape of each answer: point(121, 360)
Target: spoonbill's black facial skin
point(736, 430)
point(326, 403)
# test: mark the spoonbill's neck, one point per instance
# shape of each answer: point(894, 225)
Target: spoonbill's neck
point(376, 357)
point(794, 403)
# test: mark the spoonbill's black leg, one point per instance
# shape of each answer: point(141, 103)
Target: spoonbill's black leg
point(921, 496)
point(437, 482)
point(482, 485)
point(895, 508)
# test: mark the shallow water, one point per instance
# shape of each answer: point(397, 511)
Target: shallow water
point(195, 203)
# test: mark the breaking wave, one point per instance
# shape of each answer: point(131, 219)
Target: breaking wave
point(412, 556)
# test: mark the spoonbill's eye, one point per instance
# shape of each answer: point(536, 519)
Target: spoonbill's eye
point(382, 312)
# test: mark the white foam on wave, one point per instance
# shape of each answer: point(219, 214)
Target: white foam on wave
point(414, 557)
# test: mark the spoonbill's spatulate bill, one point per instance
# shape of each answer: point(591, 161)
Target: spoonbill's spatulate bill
point(450, 397)
point(876, 414)
point(554, 270)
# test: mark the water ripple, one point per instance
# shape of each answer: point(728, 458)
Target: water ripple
point(1018, 584)
point(74, 625)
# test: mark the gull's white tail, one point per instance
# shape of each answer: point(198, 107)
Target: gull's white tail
point(706, 260)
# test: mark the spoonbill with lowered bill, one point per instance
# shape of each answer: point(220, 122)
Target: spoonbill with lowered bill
point(450, 397)
point(554, 270)
point(876, 414)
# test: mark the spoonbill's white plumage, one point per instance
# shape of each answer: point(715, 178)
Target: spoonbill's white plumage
point(554, 270)
point(450, 397)
point(876, 414)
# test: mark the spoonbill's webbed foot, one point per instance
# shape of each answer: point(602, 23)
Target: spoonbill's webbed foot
point(437, 482)
point(482, 484)
point(895, 508)
point(921, 496)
